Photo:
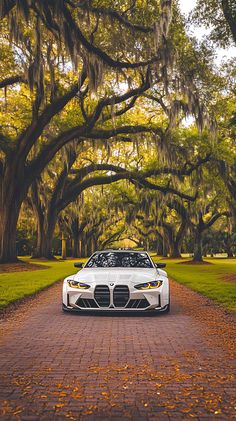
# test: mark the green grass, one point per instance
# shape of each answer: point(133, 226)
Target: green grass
point(17, 285)
point(207, 279)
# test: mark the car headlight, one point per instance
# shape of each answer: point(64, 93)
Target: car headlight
point(76, 284)
point(149, 285)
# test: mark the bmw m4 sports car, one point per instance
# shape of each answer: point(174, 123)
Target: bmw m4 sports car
point(114, 280)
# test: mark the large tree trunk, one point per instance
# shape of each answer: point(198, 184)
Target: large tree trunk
point(197, 254)
point(37, 252)
point(46, 230)
point(80, 248)
point(164, 248)
point(174, 249)
point(230, 253)
point(46, 245)
point(41, 242)
point(229, 243)
point(95, 243)
point(85, 250)
point(75, 246)
point(9, 215)
point(63, 247)
point(12, 193)
point(229, 248)
point(76, 232)
point(175, 243)
point(160, 246)
point(41, 234)
point(83, 243)
point(88, 251)
point(93, 246)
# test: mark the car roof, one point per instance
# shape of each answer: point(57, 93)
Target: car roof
point(121, 251)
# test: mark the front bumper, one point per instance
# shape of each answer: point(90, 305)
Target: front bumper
point(116, 311)
point(119, 298)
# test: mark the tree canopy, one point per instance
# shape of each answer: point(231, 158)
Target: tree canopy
point(117, 96)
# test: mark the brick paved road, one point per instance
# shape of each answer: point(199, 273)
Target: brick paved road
point(168, 367)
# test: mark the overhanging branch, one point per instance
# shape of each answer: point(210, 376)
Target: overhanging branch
point(92, 49)
point(113, 14)
point(11, 81)
point(163, 189)
point(116, 99)
point(81, 132)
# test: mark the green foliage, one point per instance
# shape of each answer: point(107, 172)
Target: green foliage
point(211, 14)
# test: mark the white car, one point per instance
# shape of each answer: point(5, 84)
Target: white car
point(114, 280)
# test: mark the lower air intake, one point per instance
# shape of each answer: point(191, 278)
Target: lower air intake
point(142, 303)
point(86, 303)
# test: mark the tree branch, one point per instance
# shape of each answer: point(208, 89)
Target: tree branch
point(179, 207)
point(11, 81)
point(61, 180)
point(229, 182)
point(75, 30)
point(27, 139)
point(73, 189)
point(113, 14)
point(230, 16)
point(71, 193)
point(163, 189)
point(83, 172)
point(6, 145)
point(80, 132)
point(115, 99)
point(122, 111)
point(214, 219)
point(178, 171)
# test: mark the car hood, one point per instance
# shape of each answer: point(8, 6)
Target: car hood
point(117, 275)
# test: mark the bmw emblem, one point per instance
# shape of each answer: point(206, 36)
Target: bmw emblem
point(111, 285)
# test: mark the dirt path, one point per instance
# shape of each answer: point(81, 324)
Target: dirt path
point(167, 367)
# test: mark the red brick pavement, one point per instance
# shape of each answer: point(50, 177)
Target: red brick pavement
point(93, 367)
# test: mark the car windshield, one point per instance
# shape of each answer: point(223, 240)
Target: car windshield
point(120, 260)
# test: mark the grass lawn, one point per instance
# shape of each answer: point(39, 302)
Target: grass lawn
point(17, 285)
point(207, 279)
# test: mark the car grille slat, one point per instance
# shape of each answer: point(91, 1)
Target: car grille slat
point(86, 303)
point(138, 303)
point(120, 295)
point(102, 295)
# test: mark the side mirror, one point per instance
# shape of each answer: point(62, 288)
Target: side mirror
point(160, 265)
point(78, 265)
